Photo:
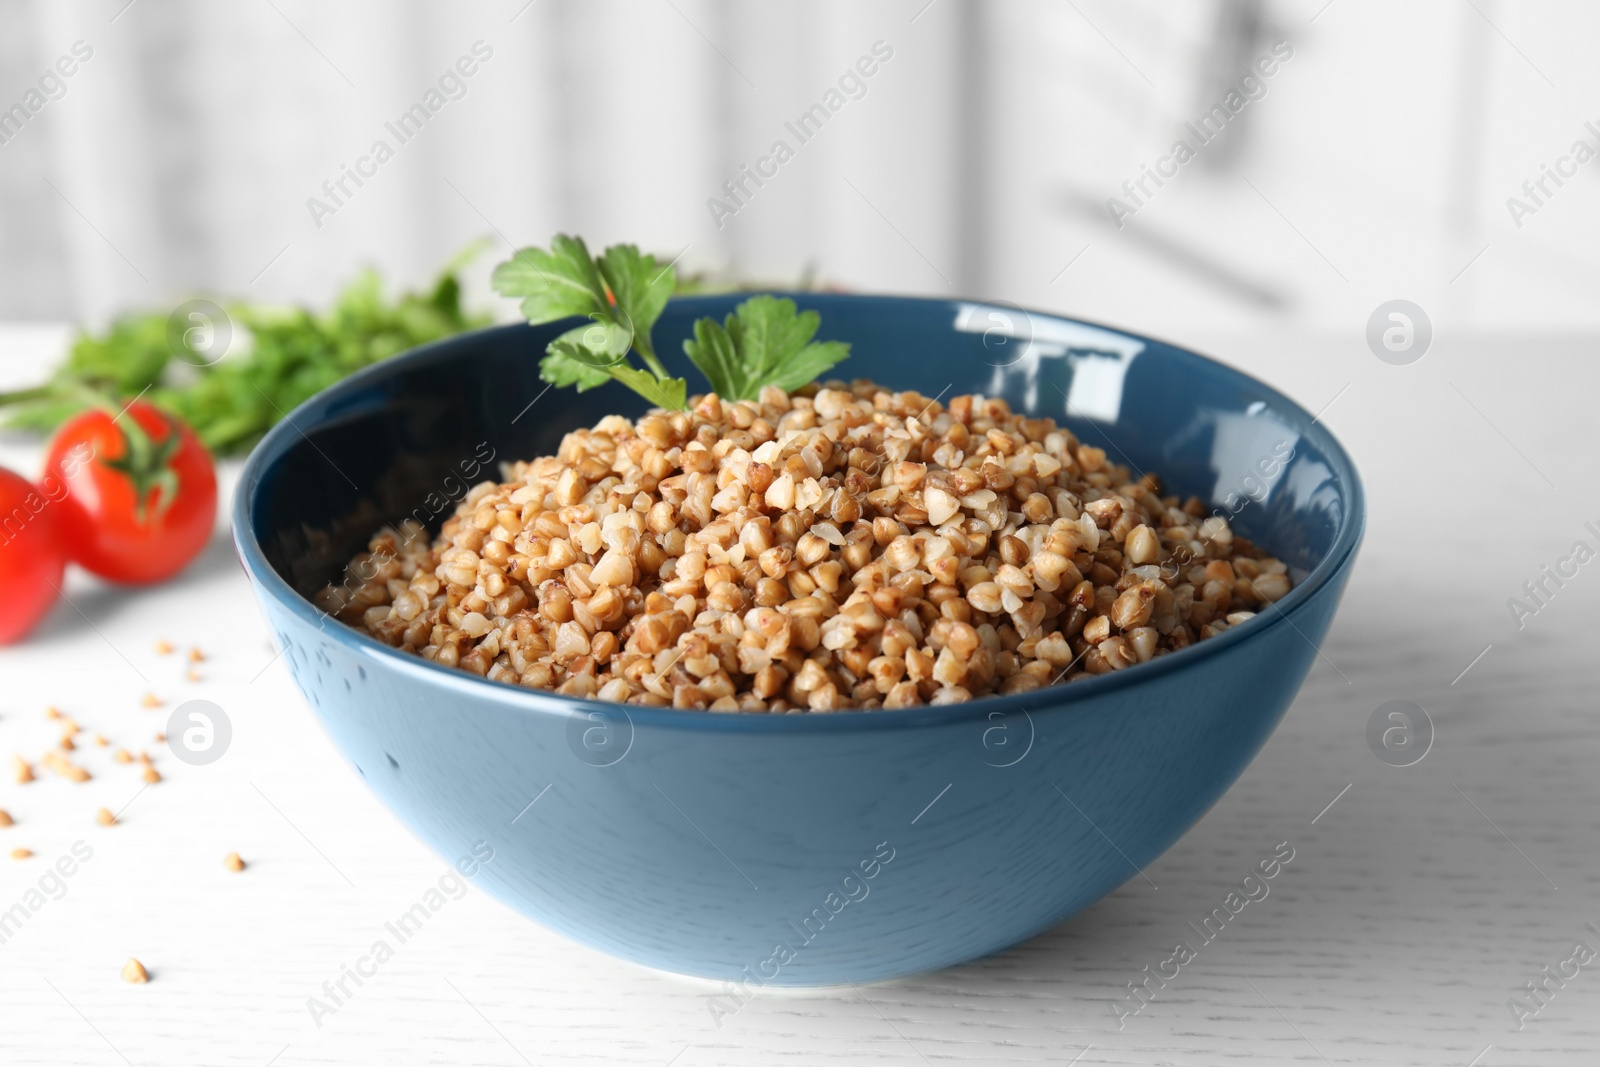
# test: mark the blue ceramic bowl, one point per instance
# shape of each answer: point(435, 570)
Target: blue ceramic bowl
point(799, 850)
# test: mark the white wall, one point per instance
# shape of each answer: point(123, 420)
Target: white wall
point(978, 161)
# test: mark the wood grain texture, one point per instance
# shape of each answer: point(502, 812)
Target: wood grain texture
point(1413, 908)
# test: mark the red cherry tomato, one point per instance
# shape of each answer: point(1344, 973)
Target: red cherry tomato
point(141, 498)
point(32, 555)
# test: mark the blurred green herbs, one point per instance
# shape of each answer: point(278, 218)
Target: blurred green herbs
point(278, 357)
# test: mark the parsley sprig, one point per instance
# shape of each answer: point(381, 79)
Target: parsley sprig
point(622, 293)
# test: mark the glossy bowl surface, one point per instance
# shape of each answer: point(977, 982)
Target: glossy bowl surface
point(801, 849)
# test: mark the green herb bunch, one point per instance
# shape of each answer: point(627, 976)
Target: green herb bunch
point(287, 354)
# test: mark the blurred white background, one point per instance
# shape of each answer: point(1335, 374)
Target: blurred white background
point(180, 156)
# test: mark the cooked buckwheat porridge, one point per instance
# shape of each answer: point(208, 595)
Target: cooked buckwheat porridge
point(841, 547)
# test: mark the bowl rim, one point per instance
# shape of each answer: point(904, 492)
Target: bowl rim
point(518, 698)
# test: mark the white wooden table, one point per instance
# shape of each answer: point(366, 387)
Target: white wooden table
point(1416, 904)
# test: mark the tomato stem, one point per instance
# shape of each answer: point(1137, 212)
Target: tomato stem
point(145, 462)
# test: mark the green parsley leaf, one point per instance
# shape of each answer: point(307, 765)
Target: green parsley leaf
point(622, 292)
point(561, 369)
point(603, 342)
point(714, 352)
point(642, 288)
point(808, 364)
point(669, 393)
point(764, 342)
point(555, 284)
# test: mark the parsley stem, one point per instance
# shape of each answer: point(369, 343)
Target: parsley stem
point(653, 363)
point(647, 352)
point(22, 396)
